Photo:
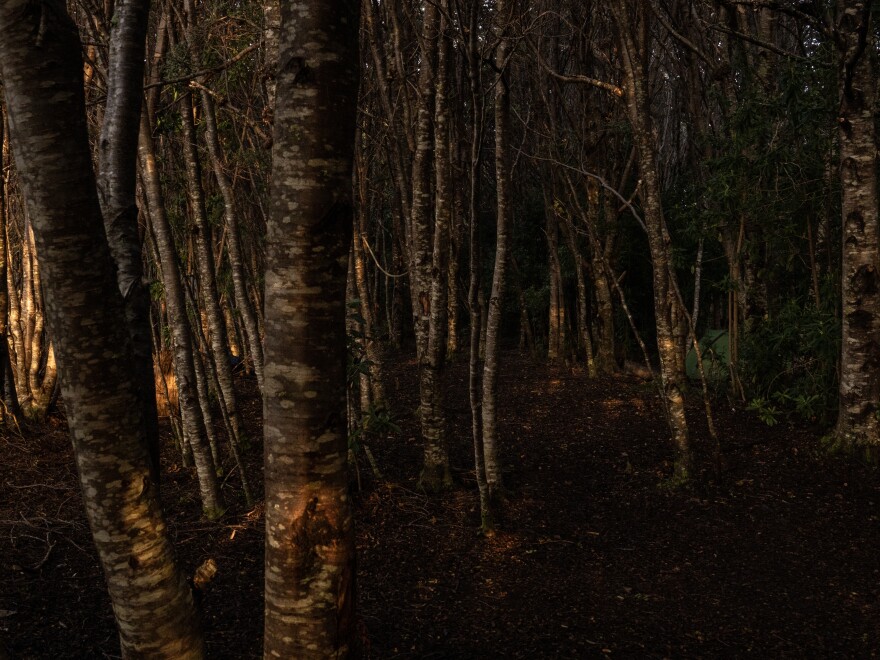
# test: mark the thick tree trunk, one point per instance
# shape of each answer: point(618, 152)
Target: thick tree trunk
point(858, 425)
point(309, 533)
point(42, 75)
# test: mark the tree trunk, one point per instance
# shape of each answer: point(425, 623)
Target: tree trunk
point(9, 394)
point(583, 319)
point(858, 426)
point(423, 252)
point(210, 298)
point(502, 244)
point(309, 533)
point(606, 360)
point(372, 346)
point(556, 322)
point(635, 50)
point(233, 242)
point(182, 344)
point(474, 63)
point(42, 74)
point(117, 151)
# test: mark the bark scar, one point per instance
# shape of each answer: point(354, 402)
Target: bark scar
point(310, 530)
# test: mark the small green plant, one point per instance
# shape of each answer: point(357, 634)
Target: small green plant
point(767, 412)
point(788, 364)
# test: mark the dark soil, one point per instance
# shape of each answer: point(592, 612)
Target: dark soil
point(594, 556)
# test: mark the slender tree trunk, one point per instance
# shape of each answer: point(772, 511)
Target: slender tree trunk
point(182, 344)
point(556, 324)
point(5, 364)
point(205, 262)
point(606, 361)
point(635, 49)
point(117, 150)
point(858, 425)
point(233, 242)
point(309, 533)
point(583, 319)
point(423, 252)
point(502, 244)
point(42, 75)
point(474, 62)
point(372, 346)
point(271, 35)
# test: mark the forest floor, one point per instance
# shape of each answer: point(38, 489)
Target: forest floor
point(594, 556)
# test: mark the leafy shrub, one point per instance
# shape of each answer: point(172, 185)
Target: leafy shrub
point(788, 364)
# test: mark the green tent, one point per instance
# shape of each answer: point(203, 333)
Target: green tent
point(715, 349)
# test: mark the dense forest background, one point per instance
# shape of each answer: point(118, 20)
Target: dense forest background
point(679, 192)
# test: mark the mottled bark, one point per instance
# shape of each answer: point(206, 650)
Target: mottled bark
point(271, 33)
point(182, 345)
point(309, 535)
point(117, 154)
point(858, 424)
point(42, 73)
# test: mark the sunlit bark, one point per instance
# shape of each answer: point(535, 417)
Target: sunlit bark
point(42, 74)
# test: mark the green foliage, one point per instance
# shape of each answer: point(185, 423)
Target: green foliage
point(788, 364)
point(374, 423)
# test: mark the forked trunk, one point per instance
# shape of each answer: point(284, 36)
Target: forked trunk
point(41, 69)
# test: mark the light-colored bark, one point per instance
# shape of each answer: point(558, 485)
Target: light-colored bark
point(635, 48)
point(858, 424)
point(309, 581)
point(428, 301)
point(487, 515)
point(491, 450)
point(42, 75)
